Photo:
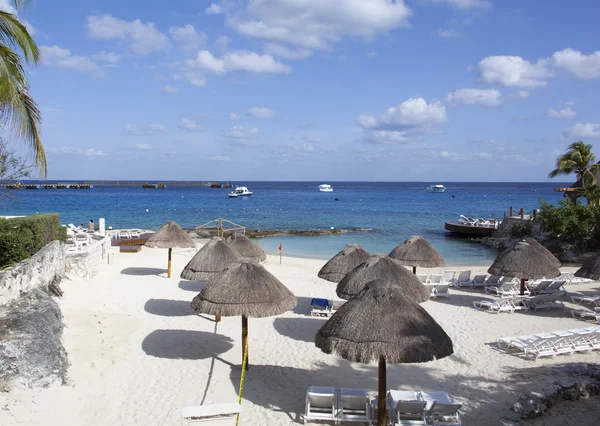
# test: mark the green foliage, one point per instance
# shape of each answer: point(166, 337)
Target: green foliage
point(521, 230)
point(578, 159)
point(21, 237)
point(570, 221)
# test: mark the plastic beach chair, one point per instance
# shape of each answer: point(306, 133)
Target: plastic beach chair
point(321, 404)
point(354, 406)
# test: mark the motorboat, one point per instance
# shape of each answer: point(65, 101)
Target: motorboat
point(324, 187)
point(240, 191)
point(436, 188)
point(473, 226)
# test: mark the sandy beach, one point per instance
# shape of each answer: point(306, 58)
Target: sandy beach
point(139, 353)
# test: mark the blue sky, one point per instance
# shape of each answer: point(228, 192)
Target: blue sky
point(413, 90)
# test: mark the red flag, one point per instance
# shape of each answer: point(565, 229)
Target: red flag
point(279, 246)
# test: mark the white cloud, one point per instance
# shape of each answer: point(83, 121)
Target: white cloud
point(190, 125)
point(29, 26)
point(463, 4)
point(172, 90)
point(159, 128)
point(261, 112)
point(513, 71)
point(520, 94)
point(447, 33)
point(141, 38)
point(7, 6)
point(143, 146)
point(387, 137)
point(194, 78)
point(276, 49)
point(583, 66)
point(316, 24)
point(187, 37)
point(133, 130)
point(85, 152)
point(108, 57)
point(567, 112)
point(55, 56)
point(233, 116)
point(240, 60)
point(214, 9)
point(242, 133)
point(223, 42)
point(220, 158)
point(412, 114)
point(489, 97)
point(583, 131)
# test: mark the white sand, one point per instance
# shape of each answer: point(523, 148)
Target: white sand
point(139, 353)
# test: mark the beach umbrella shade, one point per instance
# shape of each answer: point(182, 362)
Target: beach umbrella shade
point(382, 266)
point(170, 236)
point(244, 289)
point(211, 260)
point(590, 268)
point(525, 262)
point(246, 248)
point(380, 324)
point(346, 260)
point(536, 244)
point(416, 251)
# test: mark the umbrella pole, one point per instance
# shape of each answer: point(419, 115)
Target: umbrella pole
point(415, 270)
point(523, 287)
point(169, 267)
point(381, 397)
point(245, 340)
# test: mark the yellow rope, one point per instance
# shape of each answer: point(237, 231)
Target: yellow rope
point(244, 362)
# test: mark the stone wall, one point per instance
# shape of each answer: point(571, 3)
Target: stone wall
point(40, 270)
point(86, 263)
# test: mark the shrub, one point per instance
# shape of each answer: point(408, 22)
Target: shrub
point(569, 221)
point(22, 237)
point(521, 230)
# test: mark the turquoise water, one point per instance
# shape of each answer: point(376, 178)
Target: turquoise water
point(394, 210)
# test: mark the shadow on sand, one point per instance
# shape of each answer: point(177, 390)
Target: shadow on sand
point(185, 344)
point(194, 286)
point(302, 329)
point(169, 308)
point(143, 271)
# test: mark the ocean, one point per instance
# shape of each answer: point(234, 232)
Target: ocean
point(393, 210)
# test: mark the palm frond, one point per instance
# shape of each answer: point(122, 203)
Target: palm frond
point(14, 33)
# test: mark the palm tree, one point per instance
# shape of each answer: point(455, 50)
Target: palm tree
point(17, 108)
point(591, 192)
point(578, 159)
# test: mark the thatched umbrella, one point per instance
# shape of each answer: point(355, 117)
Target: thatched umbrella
point(416, 251)
point(536, 244)
point(245, 288)
point(590, 268)
point(170, 235)
point(346, 260)
point(525, 262)
point(211, 260)
point(382, 324)
point(245, 247)
point(382, 266)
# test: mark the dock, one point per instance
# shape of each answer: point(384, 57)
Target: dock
point(108, 183)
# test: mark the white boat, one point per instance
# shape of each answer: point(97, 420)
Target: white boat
point(324, 187)
point(240, 191)
point(436, 188)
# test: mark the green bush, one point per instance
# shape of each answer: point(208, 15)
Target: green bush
point(22, 237)
point(570, 221)
point(521, 230)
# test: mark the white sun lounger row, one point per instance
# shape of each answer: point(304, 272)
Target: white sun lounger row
point(422, 408)
point(593, 299)
point(548, 287)
point(337, 405)
point(586, 315)
point(519, 303)
point(480, 280)
point(554, 343)
point(437, 290)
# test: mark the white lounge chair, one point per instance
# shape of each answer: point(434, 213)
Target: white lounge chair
point(422, 278)
point(441, 290)
point(557, 287)
point(478, 281)
point(464, 278)
point(320, 307)
point(544, 301)
point(321, 404)
point(431, 289)
point(410, 413)
point(395, 397)
point(124, 234)
point(503, 290)
point(593, 299)
point(497, 306)
point(354, 406)
point(445, 414)
point(493, 280)
point(134, 233)
point(435, 279)
point(335, 305)
point(586, 315)
point(216, 414)
point(539, 287)
point(448, 277)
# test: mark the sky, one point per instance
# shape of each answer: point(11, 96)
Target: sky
point(362, 90)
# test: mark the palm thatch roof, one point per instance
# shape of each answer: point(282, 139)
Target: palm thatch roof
point(536, 244)
point(379, 322)
point(244, 288)
point(590, 268)
point(524, 261)
point(170, 235)
point(346, 260)
point(382, 266)
point(212, 259)
point(245, 247)
point(416, 251)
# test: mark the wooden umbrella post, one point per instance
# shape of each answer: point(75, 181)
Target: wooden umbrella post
point(245, 340)
point(414, 270)
point(169, 267)
point(381, 397)
point(217, 318)
point(523, 286)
